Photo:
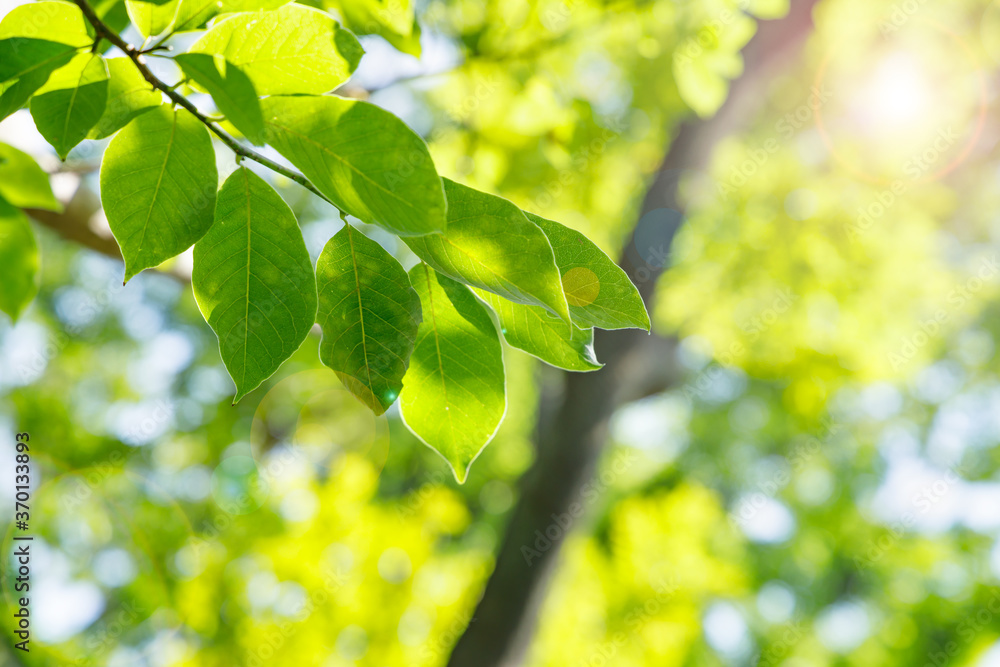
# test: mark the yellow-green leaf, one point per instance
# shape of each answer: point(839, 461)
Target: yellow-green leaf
point(23, 183)
point(288, 51)
point(454, 393)
point(491, 245)
point(540, 333)
point(599, 293)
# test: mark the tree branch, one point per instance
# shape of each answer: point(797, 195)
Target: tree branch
point(571, 445)
point(136, 57)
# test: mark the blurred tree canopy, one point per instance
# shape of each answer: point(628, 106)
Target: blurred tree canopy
point(814, 484)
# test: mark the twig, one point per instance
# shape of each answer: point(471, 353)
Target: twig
point(135, 55)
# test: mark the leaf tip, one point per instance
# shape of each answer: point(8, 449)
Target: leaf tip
point(461, 474)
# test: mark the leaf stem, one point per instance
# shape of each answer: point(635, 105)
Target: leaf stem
point(136, 56)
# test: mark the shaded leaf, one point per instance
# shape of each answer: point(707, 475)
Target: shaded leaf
point(540, 333)
point(16, 93)
point(23, 183)
point(232, 91)
point(19, 258)
point(599, 293)
point(253, 280)
point(38, 37)
point(128, 96)
point(71, 103)
point(290, 50)
point(491, 245)
point(367, 161)
point(158, 185)
point(369, 315)
point(454, 394)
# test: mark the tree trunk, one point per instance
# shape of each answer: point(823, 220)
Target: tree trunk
point(636, 364)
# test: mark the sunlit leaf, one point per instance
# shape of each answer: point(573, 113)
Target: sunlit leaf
point(229, 6)
point(369, 315)
point(454, 393)
point(38, 37)
point(129, 95)
point(367, 161)
point(491, 245)
point(193, 14)
point(158, 185)
point(253, 280)
point(290, 50)
point(230, 88)
point(71, 103)
point(394, 21)
point(540, 333)
point(23, 183)
point(19, 259)
point(598, 291)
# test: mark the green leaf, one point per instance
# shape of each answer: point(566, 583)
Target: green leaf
point(155, 17)
point(598, 291)
point(23, 183)
point(19, 258)
point(128, 96)
point(369, 315)
point(158, 185)
point(454, 394)
point(232, 91)
point(289, 51)
point(393, 21)
point(491, 245)
point(539, 333)
point(67, 107)
point(151, 18)
point(367, 161)
point(39, 37)
point(16, 93)
point(251, 5)
point(253, 280)
point(193, 14)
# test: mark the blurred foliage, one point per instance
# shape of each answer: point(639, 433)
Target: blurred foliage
point(821, 490)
